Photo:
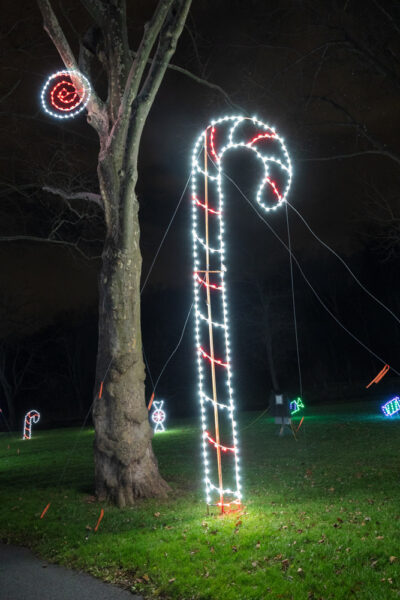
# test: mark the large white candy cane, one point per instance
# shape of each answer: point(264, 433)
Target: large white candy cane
point(220, 443)
point(32, 416)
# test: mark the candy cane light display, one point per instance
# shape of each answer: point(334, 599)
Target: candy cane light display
point(33, 416)
point(65, 94)
point(219, 436)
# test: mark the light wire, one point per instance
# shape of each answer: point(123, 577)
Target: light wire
point(176, 347)
point(152, 265)
point(308, 282)
point(294, 302)
point(166, 233)
point(366, 290)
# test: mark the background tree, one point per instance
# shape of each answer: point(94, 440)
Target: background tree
point(125, 466)
point(15, 355)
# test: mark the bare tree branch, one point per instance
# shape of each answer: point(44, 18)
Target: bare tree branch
point(110, 18)
point(201, 81)
point(387, 15)
point(152, 29)
point(96, 9)
point(45, 240)
point(386, 153)
point(10, 91)
point(169, 34)
point(97, 115)
point(372, 58)
point(20, 189)
point(87, 196)
point(378, 147)
point(212, 86)
point(118, 51)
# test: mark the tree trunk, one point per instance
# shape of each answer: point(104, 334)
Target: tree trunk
point(12, 422)
point(125, 465)
point(7, 388)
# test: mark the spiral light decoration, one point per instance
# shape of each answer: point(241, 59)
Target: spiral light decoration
point(65, 94)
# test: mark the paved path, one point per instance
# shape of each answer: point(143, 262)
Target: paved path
point(25, 577)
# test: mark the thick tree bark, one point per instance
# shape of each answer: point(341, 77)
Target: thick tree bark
point(125, 465)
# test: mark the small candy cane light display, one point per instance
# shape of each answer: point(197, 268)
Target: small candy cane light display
point(158, 416)
point(65, 94)
point(392, 407)
point(33, 416)
point(221, 460)
point(296, 405)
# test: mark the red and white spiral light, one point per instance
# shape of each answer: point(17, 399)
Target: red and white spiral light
point(65, 94)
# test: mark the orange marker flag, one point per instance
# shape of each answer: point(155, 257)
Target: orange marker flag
point(151, 401)
point(45, 510)
point(100, 518)
point(300, 424)
point(381, 374)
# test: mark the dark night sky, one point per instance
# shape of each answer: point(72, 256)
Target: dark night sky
point(326, 74)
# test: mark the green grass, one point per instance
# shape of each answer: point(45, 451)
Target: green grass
point(322, 516)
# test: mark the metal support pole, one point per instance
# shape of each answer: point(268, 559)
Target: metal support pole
point(210, 328)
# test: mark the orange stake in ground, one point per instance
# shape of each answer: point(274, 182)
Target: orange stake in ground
point(45, 510)
point(381, 374)
point(151, 401)
point(100, 518)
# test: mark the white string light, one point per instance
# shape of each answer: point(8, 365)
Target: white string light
point(214, 323)
point(208, 399)
point(269, 149)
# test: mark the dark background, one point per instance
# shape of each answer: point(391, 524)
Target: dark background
point(326, 74)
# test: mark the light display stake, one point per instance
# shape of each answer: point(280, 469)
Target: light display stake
point(65, 94)
point(378, 377)
point(158, 416)
point(33, 416)
point(392, 407)
point(221, 460)
point(296, 405)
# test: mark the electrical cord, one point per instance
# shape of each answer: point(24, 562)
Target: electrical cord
point(294, 302)
point(366, 290)
point(308, 282)
point(166, 233)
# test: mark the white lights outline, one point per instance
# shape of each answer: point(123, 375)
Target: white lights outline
point(214, 323)
point(282, 160)
point(158, 416)
point(82, 105)
point(208, 399)
point(210, 249)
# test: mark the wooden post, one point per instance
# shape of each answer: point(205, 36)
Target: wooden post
point(210, 328)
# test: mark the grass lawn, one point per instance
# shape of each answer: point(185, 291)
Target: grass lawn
point(321, 518)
